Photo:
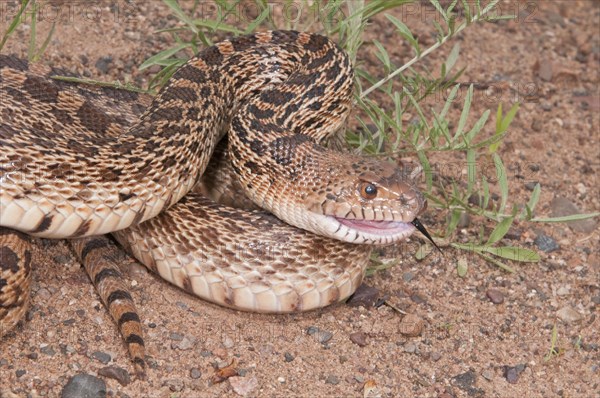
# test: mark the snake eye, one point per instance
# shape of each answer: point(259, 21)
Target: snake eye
point(367, 190)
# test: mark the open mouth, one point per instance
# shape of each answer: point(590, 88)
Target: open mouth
point(379, 227)
point(388, 228)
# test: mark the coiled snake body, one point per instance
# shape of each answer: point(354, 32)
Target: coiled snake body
point(81, 161)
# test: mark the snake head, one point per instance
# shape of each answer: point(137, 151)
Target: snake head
point(367, 201)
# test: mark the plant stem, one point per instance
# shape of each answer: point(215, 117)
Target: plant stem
point(426, 52)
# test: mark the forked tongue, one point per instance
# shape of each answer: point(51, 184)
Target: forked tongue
point(422, 230)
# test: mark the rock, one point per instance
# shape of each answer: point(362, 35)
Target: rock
point(176, 336)
point(175, 385)
point(513, 234)
point(411, 326)
point(364, 296)
point(243, 385)
point(568, 315)
point(20, 372)
point(117, 373)
point(465, 382)
point(359, 338)
point(48, 350)
point(195, 373)
point(62, 259)
point(103, 63)
point(332, 379)
point(101, 356)
point(560, 207)
point(543, 69)
point(464, 220)
point(410, 348)
point(84, 386)
point(288, 357)
point(228, 342)
point(187, 343)
point(488, 375)
point(596, 300)
point(495, 296)
point(546, 243)
point(563, 291)
point(407, 276)
point(511, 373)
point(530, 185)
point(436, 356)
point(320, 335)
point(417, 299)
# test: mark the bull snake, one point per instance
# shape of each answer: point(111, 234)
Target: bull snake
point(79, 161)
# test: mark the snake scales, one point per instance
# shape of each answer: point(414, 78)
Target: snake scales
point(80, 161)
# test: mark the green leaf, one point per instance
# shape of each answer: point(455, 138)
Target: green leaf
point(423, 252)
point(502, 180)
point(452, 57)
point(462, 267)
point(500, 230)
point(514, 253)
point(254, 24)
point(163, 55)
point(471, 170)
point(174, 6)
point(572, 217)
point(405, 32)
point(527, 212)
point(465, 113)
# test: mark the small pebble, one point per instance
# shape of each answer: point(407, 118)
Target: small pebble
point(417, 299)
point(33, 355)
point(411, 325)
point(436, 356)
point(530, 186)
point(563, 291)
point(596, 300)
point(407, 276)
point(410, 348)
point(228, 342)
point(84, 385)
point(101, 356)
point(560, 207)
point(69, 322)
point(364, 296)
point(175, 385)
point(243, 385)
point(359, 338)
point(102, 64)
point(495, 296)
point(465, 381)
point(205, 353)
point(546, 243)
point(116, 373)
point(281, 379)
point(48, 350)
point(185, 344)
point(288, 357)
point(568, 315)
point(511, 373)
point(322, 336)
point(20, 372)
point(332, 379)
point(176, 336)
point(62, 259)
point(488, 375)
point(195, 373)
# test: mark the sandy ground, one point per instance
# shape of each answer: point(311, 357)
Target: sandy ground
point(484, 335)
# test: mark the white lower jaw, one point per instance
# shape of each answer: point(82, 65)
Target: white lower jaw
point(368, 232)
